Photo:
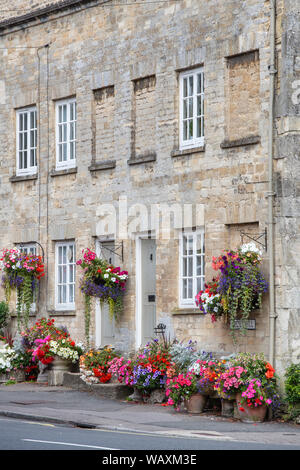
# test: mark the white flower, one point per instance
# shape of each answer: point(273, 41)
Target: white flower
point(106, 276)
point(250, 247)
point(113, 279)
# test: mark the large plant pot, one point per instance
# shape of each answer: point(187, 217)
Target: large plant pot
point(42, 377)
point(57, 369)
point(196, 403)
point(249, 414)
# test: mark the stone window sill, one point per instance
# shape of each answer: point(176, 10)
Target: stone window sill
point(183, 152)
point(64, 313)
point(149, 157)
point(16, 179)
point(251, 140)
point(67, 171)
point(105, 165)
point(186, 311)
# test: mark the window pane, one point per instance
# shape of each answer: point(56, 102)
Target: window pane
point(64, 113)
point(191, 107)
point(60, 255)
point(20, 122)
point(190, 266)
point(190, 134)
point(191, 86)
point(199, 266)
point(184, 289)
point(185, 130)
point(190, 288)
point(184, 109)
point(64, 152)
point(32, 157)
point(71, 293)
point(185, 87)
point(199, 284)
point(25, 121)
point(25, 159)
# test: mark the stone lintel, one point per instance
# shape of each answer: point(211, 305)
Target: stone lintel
point(182, 153)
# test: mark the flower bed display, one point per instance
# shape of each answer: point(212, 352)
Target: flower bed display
point(95, 365)
point(238, 288)
point(103, 281)
point(21, 272)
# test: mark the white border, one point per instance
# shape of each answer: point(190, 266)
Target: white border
point(66, 306)
point(195, 142)
point(184, 303)
point(68, 163)
point(32, 170)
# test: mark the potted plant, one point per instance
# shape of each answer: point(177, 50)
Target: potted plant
point(150, 369)
point(103, 281)
point(21, 272)
point(207, 373)
point(183, 389)
point(253, 402)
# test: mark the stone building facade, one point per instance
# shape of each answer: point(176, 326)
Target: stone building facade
point(129, 77)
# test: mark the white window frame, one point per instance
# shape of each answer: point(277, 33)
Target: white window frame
point(193, 141)
point(65, 305)
point(69, 141)
point(31, 141)
point(185, 301)
point(31, 249)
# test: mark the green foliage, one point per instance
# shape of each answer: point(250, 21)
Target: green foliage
point(4, 314)
point(292, 384)
point(184, 355)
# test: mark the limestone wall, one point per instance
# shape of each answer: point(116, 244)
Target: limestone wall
point(116, 49)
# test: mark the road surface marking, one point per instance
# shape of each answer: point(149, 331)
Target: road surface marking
point(68, 444)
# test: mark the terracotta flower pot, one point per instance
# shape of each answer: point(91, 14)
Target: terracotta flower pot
point(249, 414)
point(195, 404)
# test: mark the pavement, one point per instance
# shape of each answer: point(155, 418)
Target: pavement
point(66, 406)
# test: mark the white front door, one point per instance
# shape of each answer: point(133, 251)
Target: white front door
point(148, 290)
point(104, 326)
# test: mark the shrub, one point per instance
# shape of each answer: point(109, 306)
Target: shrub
point(292, 390)
point(4, 315)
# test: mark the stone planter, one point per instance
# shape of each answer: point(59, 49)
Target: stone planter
point(155, 396)
point(249, 414)
point(57, 369)
point(42, 377)
point(196, 403)
point(16, 375)
point(136, 395)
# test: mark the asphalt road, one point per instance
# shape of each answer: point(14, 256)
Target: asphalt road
point(16, 434)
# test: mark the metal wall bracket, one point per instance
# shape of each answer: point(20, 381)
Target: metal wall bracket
point(118, 249)
point(260, 238)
